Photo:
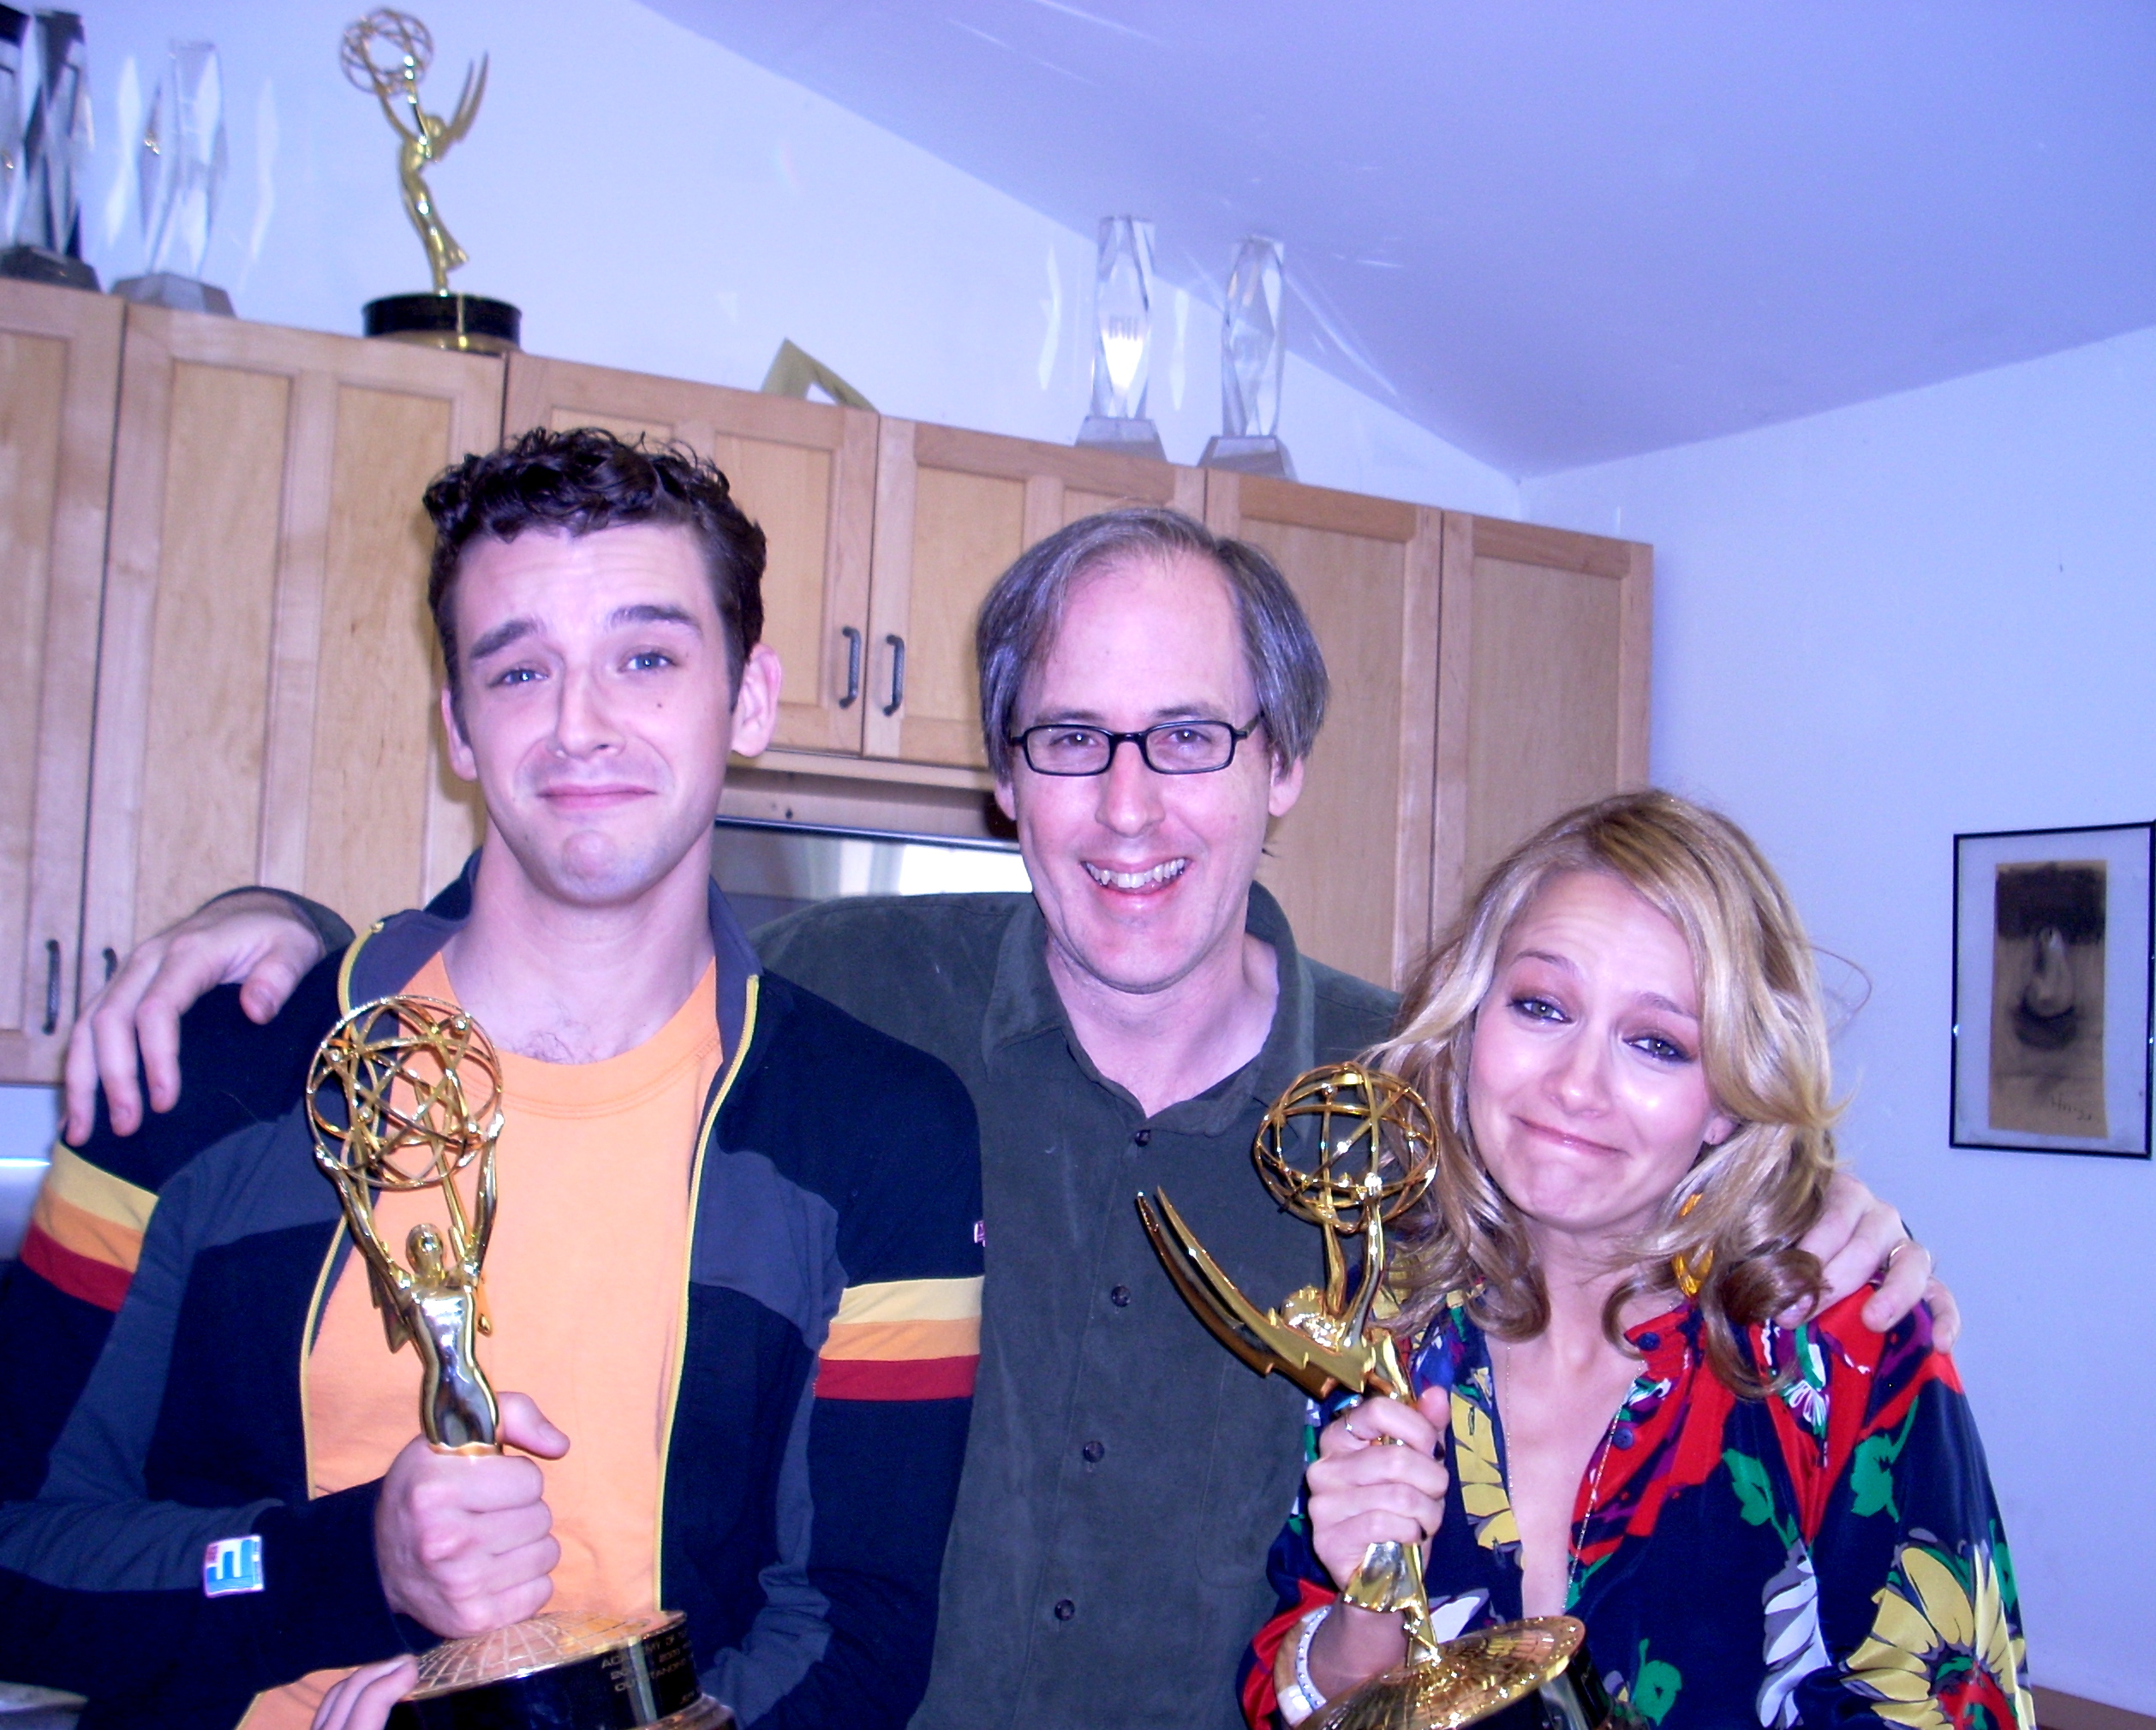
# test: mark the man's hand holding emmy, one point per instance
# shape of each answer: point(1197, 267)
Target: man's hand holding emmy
point(464, 1542)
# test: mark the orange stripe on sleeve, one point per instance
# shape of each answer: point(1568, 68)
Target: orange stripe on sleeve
point(886, 1341)
point(87, 1235)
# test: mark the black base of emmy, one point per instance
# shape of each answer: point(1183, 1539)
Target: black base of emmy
point(40, 264)
point(469, 322)
point(647, 1681)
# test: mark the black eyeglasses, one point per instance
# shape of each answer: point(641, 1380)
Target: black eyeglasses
point(1173, 747)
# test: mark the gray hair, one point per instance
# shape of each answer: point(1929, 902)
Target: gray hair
point(1018, 619)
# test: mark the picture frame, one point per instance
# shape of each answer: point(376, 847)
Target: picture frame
point(2053, 989)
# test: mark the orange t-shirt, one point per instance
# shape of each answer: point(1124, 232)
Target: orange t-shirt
point(586, 1277)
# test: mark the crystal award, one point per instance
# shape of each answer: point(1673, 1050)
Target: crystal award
point(1253, 354)
point(179, 171)
point(1122, 341)
point(53, 94)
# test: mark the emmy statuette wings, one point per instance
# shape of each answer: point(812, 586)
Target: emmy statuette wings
point(404, 1096)
point(1349, 1148)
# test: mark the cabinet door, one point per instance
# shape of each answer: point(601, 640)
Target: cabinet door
point(804, 471)
point(59, 379)
point(1351, 863)
point(1543, 690)
point(953, 510)
point(267, 704)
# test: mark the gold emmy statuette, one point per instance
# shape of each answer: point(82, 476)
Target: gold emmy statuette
point(388, 53)
point(405, 1095)
point(1349, 1148)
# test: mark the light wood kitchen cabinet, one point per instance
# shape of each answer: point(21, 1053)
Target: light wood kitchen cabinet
point(804, 471)
point(267, 664)
point(953, 508)
point(1485, 675)
point(1351, 863)
point(212, 565)
point(1543, 643)
point(59, 381)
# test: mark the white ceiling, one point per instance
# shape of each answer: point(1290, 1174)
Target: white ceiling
point(1558, 231)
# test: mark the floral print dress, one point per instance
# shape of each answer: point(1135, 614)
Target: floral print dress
point(1831, 1554)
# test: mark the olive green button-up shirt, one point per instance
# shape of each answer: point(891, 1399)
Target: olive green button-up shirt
point(1126, 1475)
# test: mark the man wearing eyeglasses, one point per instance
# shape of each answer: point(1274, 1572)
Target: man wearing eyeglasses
point(1150, 697)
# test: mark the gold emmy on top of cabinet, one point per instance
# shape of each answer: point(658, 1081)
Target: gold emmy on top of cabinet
point(387, 53)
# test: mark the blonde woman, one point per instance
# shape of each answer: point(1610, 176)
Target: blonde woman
point(1759, 1522)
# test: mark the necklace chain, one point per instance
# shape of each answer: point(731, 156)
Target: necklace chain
point(1594, 1483)
point(1594, 1493)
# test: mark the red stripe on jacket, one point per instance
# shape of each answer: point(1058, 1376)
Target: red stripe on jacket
point(899, 1378)
point(78, 1275)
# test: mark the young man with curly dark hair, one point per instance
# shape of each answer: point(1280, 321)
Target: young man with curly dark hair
point(735, 1277)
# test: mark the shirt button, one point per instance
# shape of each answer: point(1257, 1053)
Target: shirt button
point(1622, 1435)
point(1065, 1610)
point(1144, 1138)
point(1119, 1296)
point(1093, 1451)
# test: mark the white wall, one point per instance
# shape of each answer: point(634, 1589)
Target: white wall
point(655, 202)
point(1929, 614)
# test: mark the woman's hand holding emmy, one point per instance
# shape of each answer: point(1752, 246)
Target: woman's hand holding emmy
point(1378, 1479)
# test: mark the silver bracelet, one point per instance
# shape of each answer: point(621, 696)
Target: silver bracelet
point(1301, 1699)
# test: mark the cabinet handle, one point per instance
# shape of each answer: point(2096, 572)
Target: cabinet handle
point(898, 673)
point(52, 984)
point(112, 964)
point(853, 665)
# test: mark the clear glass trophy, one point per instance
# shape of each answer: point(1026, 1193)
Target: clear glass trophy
point(1123, 341)
point(14, 52)
point(1253, 354)
point(179, 172)
point(51, 91)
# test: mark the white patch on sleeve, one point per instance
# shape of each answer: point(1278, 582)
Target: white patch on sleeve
point(232, 1565)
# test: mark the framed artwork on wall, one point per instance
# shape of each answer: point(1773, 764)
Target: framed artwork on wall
point(2052, 990)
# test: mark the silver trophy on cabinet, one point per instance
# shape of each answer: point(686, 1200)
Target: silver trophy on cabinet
point(1253, 356)
point(179, 172)
point(1122, 341)
point(45, 134)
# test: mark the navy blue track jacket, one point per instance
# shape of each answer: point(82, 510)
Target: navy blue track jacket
point(805, 1501)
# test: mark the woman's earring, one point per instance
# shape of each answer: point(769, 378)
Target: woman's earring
point(1687, 1281)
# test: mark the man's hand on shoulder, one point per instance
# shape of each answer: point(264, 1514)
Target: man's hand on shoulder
point(465, 1542)
point(1859, 1238)
point(254, 939)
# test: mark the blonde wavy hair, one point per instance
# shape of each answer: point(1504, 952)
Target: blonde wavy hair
point(1763, 1044)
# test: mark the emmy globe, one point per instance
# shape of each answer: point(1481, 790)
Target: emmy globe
point(406, 1094)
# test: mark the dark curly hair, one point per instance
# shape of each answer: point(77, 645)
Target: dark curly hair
point(582, 480)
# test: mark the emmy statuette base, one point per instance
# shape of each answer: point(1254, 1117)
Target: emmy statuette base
point(469, 322)
point(1530, 1675)
point(563, 1673)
